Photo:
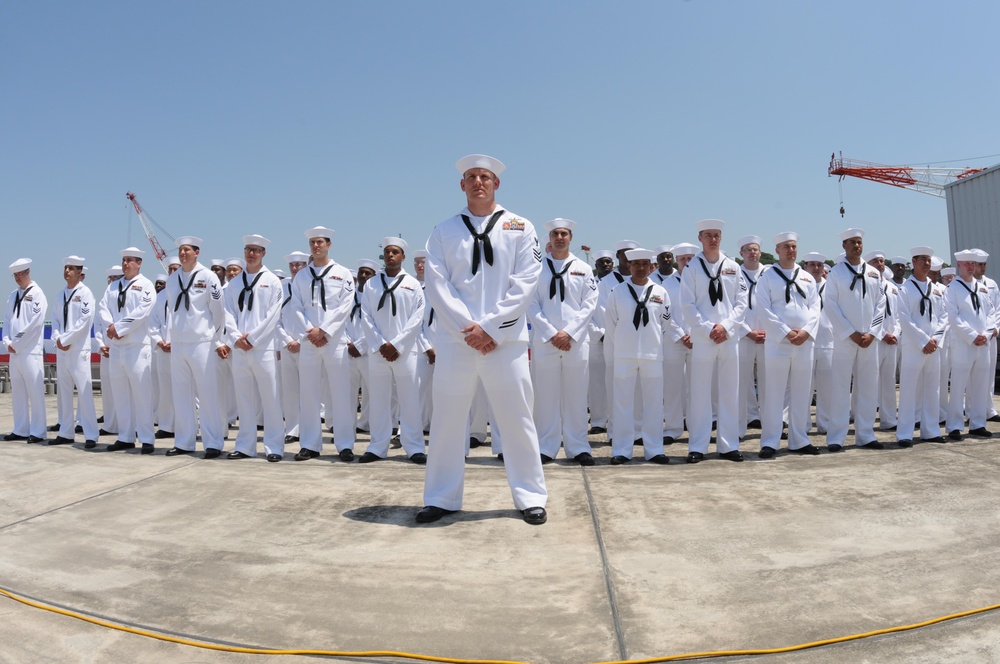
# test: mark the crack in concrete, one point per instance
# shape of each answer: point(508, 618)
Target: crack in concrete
point(606, 570)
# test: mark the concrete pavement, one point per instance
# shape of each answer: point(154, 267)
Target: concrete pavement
point(636, 561)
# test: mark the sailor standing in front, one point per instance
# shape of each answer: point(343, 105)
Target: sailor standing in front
point(483, 265)
point(23, 337)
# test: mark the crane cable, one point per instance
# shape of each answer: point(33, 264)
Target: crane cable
point(450, 660)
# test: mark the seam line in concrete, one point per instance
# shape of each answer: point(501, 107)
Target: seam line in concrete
point(97, 495)
point(606, 570)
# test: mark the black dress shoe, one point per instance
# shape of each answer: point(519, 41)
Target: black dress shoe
point(78, 428)
point(161, 434)
point(994, 418)
point(596, 430)
point(892, 428)
point(429, 514)
point(347, 455)
point(834, 447)
point(955, 435)
point(237, 455)
point(305, 454)
point(500, 457)
point(59, 440)
point(14, 436)
point(54, 427)
point(148, 448)
point(871, 445)
point(546, 458)
point(474, 442)
point(618, 460)
point(811, 450)
point(119, 445)
point(637, 441)
point(735, 455)
point(291, 439)
point(36, 439)
point(661, 459)
point(212, 453)
point(981, 432)
point(100, 420)
point(766, 452)
point(536, 516)
point(668, 440)
point(175, 451)
point(753, 424)
point(904, 443)
point(419, 458)
point(369, 457)
point(695, 457)
point(935, 439)
point(584, 459)
point(274, 458)
point(90, 444)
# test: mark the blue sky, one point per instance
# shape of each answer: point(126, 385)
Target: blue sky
point(635, 119)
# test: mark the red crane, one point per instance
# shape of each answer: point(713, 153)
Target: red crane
point(925, 180)
point(148, 223)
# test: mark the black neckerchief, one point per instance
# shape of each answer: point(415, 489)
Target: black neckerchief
point(641, 313)
point(17, 301)
point(184, 291)
point(388, 292)
point(249, 289)
point(122, 293)
point(557, 278)
point(66, 301)
point(888, 309)
point(821, 289)
point(789, 283)
point(753, 284)
point(925, 297)
point(483, 239)
point(972, 292)
point(619, 277)
point(714, 283)
point(860, 274)
point(357, 306)
point(322, 285)
point(289, 298)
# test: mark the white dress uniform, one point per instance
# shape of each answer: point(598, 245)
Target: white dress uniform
point(493, 294)
point(752, 365)
point(676, 358)
point(393, 312)
point(290, 329)
point(604, 287)
point(159, 323)
point(197, 320)
point(854, 302)
point(254, 303)
point(71, 327)
point(823, 366)
point(945, 350)
point(994, 297)
point(787, 300)
point(359, 365)
point(922, 317)
point(701, 315)
point(323, 296)
point(638, 317)
point(128, 305)
point(970, 314)
point(24, 329)
point(565, 300)
point(224, 376)
point(887, 358)
point(425, 370)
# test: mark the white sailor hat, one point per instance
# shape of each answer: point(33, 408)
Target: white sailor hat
point(173, 260)
point(132, 252)
point(748, 239)
point(279, 273)
point(189, 240)
point(685, 249)
point(915, 251)
point(256, 241)
point(664, 249)
point(297, 257)
point(395, 242)
point(936, 264)
point(851, 232)
point(236, 261)
point(603, 253)
point(948, 272)
point(625, 245)
point(982, 256)
point(160, 277)
point(710, 225)
point(902, 259)
point(966, 255)
point(640, 255)
point(787, 236)
point(75, 261)
point(218, 262)
point(20, 265)
point(559, 222)
point(319, 231)
point(420, 253)
point(492, 164)
point(814, 257)
point(872, 255)
point(369, 263)
point(114, 271)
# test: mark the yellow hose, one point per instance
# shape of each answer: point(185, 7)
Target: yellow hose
point(451, 660)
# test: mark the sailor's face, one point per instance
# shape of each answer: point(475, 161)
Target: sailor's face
point(188, 256)
point(853, 246)
point(364, 274)
point(710, 239)
point(295, 267)
point(393, 257)
point(788, 251)
point(131, 266)
point(22, 278)
point(480, 184)
point(418, 267)
point(560, 238)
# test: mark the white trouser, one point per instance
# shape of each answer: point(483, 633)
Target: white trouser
point(343, 406)
point(886, 385)
point(290, 390)
point(133, 383)
point(919, 399)
point(227, 389)
point(714, 365)
point(27, 385)
point(991, 411)
point(154, 380)
point(751, 382)
point(425, 379)
point(506, 380)
point(945, 351)
point(789, 373)
point(846, 354)
point(359, 367)
point(822, 382)
point(560, 382)
point(255, 372)
point(649, 374)
point(597, 395)
point(165, 376)
point(108, 397)
point(970, 379)
point(676, 357)
point(73, 369)
point(195, 375)
point(382, 374)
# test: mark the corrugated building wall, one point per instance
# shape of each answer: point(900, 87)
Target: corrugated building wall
point(974, 216)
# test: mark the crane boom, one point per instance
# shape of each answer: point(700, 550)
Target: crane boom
point(925, 180)
point(148, 224)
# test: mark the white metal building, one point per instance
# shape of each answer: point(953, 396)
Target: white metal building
point(974, 216)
